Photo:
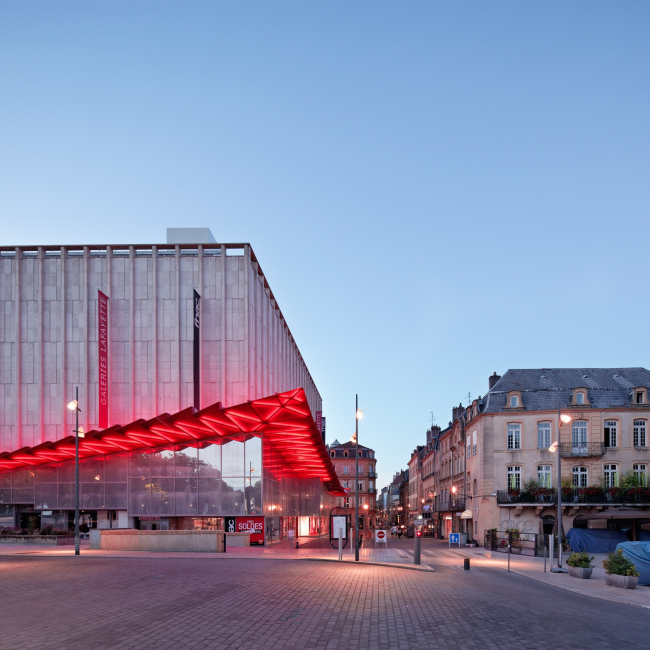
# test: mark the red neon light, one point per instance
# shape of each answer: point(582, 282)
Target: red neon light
point(292, 444)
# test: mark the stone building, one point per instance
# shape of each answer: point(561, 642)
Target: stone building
point(342, 456)
point(510, 476)
point(49, 333)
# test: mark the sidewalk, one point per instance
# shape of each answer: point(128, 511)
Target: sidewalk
point(533, 567)
point(309, 549)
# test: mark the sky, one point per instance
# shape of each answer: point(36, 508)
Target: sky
point(435, 190)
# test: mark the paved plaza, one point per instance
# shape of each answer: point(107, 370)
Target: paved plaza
point(180, 602)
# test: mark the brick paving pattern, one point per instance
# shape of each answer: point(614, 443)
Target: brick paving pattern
point(65, 602)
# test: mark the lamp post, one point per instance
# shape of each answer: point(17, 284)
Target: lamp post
point(78, 433)
point(358, 416)
point(556, 446)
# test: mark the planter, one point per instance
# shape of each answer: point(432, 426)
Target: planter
point(38, 540)
point(624, 582)
point(580, 572)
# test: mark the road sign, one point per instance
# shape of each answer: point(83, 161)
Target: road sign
point(381, 537)
point(454, 538)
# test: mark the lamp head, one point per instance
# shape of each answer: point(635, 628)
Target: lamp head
point(554, 446)
point(359, 414)
point(565, 418)
point(73, 405)
point(353, 439)
point(453, 489)
point(81, 433)
point(365, 506)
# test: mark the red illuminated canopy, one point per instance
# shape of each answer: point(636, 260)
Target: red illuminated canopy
point(293, 446)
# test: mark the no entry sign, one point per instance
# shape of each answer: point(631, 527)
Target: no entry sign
point(381, 536)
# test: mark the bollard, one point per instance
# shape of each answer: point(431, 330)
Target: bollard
point(416, 550)
point(466, 564)
point(340, 545)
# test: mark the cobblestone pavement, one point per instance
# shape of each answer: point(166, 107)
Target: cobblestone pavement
point(90, 602)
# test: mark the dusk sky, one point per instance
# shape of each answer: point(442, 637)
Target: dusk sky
point(435, 190)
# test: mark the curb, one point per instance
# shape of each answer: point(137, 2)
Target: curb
point(408, 567)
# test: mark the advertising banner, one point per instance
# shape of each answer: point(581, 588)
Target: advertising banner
point(102, 338)
point(197, 349)
point(253, 524)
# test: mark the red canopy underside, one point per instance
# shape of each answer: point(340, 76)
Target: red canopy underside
point(293, 447)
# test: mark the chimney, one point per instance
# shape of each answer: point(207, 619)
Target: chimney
point(493, 380)
point(456, 411)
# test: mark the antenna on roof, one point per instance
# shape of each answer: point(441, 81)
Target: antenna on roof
point(469, 398)
point(433, 419)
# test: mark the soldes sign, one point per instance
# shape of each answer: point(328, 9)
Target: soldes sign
point(254, 525)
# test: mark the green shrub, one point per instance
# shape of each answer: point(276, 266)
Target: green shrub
point(580, 560)
point(618, 565)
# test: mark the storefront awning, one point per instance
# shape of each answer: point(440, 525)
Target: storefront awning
point(284, 419)
point(618, 513)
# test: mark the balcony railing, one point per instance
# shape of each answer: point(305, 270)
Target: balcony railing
point(452, 504)
point(586, 450)
point(640, 495)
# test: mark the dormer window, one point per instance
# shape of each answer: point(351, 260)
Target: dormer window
point(514, 401)
point(580, 397)
point(640, 396)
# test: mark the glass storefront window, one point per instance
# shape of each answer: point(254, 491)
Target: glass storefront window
point(162, 496)
point(91, 470)
point(232, 458)
point(66, 495)
point(23, 478)
point(210, 461)
point(139, 464)
point(91, 495)
point(45, 474)
point(139, 496)
point(253, 458)
point(186, 496)
point(162, 463)
point(45, 496)
point(209, 496)
point(116, 496)
point(232, 496)
point(115, 468)
point(186, 462)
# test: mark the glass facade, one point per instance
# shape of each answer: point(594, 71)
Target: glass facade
point(207, 481)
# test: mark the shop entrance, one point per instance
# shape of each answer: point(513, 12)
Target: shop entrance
point(30, 520)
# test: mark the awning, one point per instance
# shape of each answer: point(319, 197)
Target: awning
point(466, 514)
point(285, 420)
point(618, 513)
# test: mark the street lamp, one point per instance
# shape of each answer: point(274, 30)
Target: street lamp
point(78, 433)
point(556, 446)
point(355, 440)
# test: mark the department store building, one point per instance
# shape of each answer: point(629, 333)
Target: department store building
point(196, 402)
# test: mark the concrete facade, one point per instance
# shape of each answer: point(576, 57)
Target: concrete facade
point(49, 334)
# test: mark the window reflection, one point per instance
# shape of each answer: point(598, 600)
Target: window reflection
point(253, 459)
point(210, 461)
point(232, 458)
point(162, 463)
point(186, 496)
point(91, 470)
point(209, 496)
point(186, 462)
point(140, 496)
point(232, 496)
point(162, 496)
point(139, 464)
point(115, 468)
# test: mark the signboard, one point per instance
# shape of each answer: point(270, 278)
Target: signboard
point(197, 350)
point(229, 524)
point(381, 537)
point(339, 523)
point(322, 430)
point(319, 421)
point(102, 339)
point(254, 525)
point(426, 508)
point(454, 538)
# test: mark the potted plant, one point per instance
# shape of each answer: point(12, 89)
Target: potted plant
point(619, 571)
point(580, 565)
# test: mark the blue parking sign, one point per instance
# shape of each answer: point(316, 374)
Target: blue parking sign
point(454, 538)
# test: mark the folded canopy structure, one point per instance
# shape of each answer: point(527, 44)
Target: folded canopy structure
point(292, 444)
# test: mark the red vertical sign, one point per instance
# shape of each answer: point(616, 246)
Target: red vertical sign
point(102, 337)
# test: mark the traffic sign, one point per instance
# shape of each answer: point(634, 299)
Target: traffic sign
point(454, 538)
